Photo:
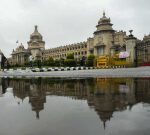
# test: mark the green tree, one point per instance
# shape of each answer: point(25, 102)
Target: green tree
point(45, 62)
point(70, 56)
point(26, 64)
point(91, 57)
point(35, 62)
point(90, 60)
point(70, 62)
point(61, 62)
point(51, 61)
point(57, 62)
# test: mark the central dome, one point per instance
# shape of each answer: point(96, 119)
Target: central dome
point(36, 34)
point(104, 19)
point(104, 25)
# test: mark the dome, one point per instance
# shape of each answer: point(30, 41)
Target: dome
point(104, 25)
point(21, 46)
point(36, 33)
point(104, 19)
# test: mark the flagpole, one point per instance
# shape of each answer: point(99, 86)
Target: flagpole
point(17, 43)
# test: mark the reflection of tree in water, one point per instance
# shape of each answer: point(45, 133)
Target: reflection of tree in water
point(105, 96)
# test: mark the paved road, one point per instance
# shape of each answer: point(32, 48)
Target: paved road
point(124, 72)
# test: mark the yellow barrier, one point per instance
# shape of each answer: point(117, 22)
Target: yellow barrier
point(110, 62)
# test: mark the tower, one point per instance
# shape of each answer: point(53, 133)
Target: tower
point(36, 44)
point(103, 36)
point(131, 49)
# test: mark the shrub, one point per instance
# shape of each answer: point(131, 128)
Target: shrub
point(70, 62)
point(26, 64)
point(35, 62)
point(57, 62)
point(89, 63)
point(61, 62)
point(70, 56)
point(51, 61)
point(91, 57)
point(90, 60)
point(45, 62)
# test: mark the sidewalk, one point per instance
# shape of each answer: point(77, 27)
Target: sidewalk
point(121, 72)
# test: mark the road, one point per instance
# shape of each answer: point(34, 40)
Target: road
point(121, 72)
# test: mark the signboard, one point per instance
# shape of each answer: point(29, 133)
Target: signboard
point(124, 89)
point(123, 55)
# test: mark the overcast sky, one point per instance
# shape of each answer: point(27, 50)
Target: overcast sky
point(63, 22)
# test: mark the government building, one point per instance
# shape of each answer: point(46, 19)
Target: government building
point(105, 42)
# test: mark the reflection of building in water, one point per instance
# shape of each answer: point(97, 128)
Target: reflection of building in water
point(105, 96)
point(111, 95)
point(37, 97)
point(142, 93)
point(20, 88)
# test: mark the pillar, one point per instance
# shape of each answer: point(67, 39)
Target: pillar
point(131, 49)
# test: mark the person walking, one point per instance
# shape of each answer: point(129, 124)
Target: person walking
point(3, 60)
point(31, 61)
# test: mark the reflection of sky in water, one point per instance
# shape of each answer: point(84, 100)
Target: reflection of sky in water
point(74, 108)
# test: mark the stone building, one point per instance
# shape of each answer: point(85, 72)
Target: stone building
point(79, 51)
point(105, 42)
point(20, 55)
point(143, 52)
point(35, 47)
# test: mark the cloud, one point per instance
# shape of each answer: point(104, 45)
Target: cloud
point(63, 22)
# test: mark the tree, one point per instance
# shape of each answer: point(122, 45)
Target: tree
point(35, 62)
point(26, 64)
point(61, 62)
point(91, 57)
point(90, 60)
point(70, 56)
point(51, 61)
point(45, 62)
point(57, 62)
point(70, 61)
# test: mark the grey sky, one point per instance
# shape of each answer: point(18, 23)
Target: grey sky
point(63, 22)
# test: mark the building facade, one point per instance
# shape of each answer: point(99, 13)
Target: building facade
point(143, 51)
point(36, 45)
point(105, 42)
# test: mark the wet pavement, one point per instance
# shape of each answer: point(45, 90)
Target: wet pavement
point(120, 72)
point(83, 106)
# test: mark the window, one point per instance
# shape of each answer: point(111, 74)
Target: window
point(100, 51)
